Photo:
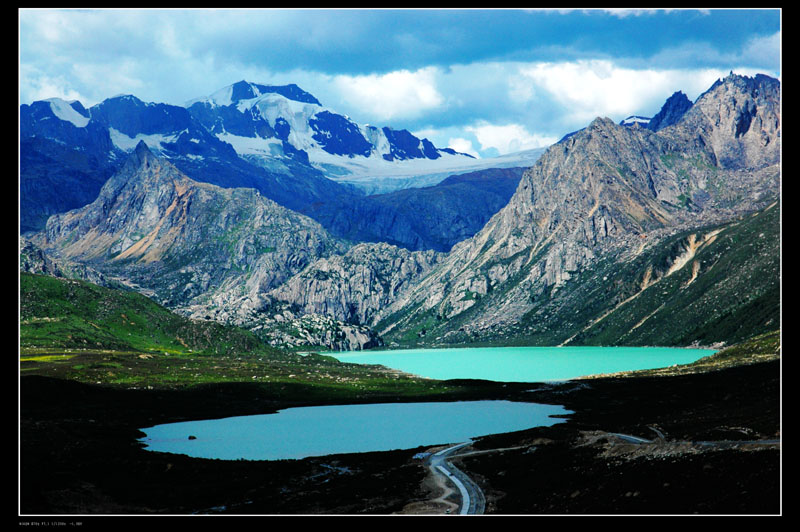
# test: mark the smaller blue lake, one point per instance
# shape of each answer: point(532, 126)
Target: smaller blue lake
point(523, 364)
point(322, 430)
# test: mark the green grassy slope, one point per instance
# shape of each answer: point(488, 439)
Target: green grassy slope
point(762, 348)
point(79, 331)
point(727, 292)
point(58, 313)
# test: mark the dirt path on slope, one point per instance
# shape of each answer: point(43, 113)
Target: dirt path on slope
point(441, 493)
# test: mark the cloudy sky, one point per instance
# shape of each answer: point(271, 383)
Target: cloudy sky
point(486, 82)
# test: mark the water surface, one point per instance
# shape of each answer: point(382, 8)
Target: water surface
point(324, 430)
point(523, 364)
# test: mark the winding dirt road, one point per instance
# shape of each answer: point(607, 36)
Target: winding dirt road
point(457, 493)
point(472, 499)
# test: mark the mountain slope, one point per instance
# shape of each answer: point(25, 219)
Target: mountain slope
point(68, 152)
point(181, 239)
point(717, 284)
point(708, 285)
point(175, 133)
point(435, 217)
point(597, 243)
point(61, 313)
point(64, 160)
point(602, 192)
point(244, 136)
point(203, 251)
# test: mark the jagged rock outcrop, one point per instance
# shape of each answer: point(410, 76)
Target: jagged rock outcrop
point(671, 112)
point(312, 330)
point(281, 324)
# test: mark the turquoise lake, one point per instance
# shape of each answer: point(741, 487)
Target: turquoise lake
point(296, 433)
point(523, 364)
point(323, 430)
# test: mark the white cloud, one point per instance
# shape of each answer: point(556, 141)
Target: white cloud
point(590, 88)
point(173, 56)
point(398, 94)
point(763, 50)
point(49, 26)
point(169, 43)
point(35, 85)
point(624, 12)
point(126, 78)
point(508, 138)
point(520, 89)
point(463, 145)
point(619, 12)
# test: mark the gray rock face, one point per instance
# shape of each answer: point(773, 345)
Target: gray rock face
point(33, 259)
point(600, 192)
point(357, 286)
point(317, 330)
point(736, 123)
point(183, 239)
point(283, 325)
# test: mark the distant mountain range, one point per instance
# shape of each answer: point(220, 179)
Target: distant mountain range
point(278, 140)
point(59, 150)
point(613, 229)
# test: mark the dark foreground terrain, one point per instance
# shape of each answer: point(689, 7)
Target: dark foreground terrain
point(79, 455)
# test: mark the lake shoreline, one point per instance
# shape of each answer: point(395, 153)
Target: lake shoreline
point(525, 363)
point(302, 432)
point(713, 347)
point(79, 455)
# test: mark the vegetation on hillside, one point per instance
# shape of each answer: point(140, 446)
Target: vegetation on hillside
point(80, 331)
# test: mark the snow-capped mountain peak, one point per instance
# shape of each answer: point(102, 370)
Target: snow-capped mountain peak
point(271, 122)
point(72, 112)
point(245, 90)
point(631, 120)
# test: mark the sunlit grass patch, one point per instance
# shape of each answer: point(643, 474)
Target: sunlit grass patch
point(45, 358)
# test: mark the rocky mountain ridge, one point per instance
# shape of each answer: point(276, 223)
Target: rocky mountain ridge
point(671, 112)
point(603, 192)
point(65, 161)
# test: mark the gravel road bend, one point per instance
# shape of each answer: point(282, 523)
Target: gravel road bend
point(472, 499)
